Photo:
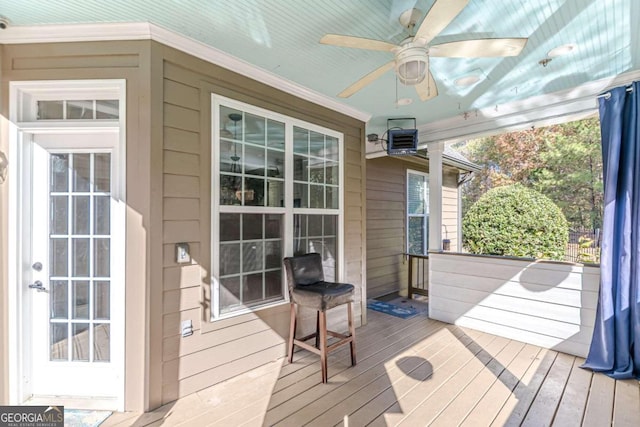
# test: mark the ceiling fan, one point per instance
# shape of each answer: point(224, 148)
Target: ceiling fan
point(411, 56)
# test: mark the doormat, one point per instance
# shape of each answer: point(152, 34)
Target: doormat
point(418, 302)
point(392, 309)
point(84, 418)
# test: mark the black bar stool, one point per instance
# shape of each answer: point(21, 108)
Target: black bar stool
point(307, 288)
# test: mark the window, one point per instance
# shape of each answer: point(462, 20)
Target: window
point(97, 109)
point(276, 192)
point(417, 212)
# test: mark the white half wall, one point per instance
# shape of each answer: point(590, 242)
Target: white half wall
point(549, 304)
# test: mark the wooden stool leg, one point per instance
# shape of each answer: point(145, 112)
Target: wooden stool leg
point(352, 332)
point(292, 331)
point(317, 329)
point(323, 345)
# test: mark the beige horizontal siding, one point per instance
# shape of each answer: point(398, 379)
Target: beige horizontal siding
point(546, 304)
point(386, 221)
point(220, 350)
point(385, 225)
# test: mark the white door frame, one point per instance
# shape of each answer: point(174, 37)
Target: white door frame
point(22, 124)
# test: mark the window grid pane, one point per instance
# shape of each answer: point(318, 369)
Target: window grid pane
point(417, 213)
point(251, 149)
point(250, 263)
point(317, 233)
point(252, 164)
point(79, 228)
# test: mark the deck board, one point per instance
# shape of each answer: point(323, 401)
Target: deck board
point(458, 409)
point(599, 410)
point(490, 404)
point(518, 403)
point(346, 391)
point(626, 408)
point(411, 372)
point(574, 399)
point(544, 406)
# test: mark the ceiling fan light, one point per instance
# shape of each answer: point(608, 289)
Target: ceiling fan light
point(412, 65)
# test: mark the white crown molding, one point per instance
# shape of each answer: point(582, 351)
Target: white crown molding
point(148, 31)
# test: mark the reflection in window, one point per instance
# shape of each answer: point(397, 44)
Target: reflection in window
point(417, 213)
point(315, 169)
point(80, 256)
point(251, 159)
point(271, 171)
point(100, 109)
point(250, 260)
point(317, 233)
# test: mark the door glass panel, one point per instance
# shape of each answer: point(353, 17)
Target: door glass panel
point(80, 217)
point(80, 110)
point(59, 257)
point(59, 342)
point(81, 172)
point(101, 215)
point(59, 299)
point(102, 258)
point(80, 257)
point(50, 110)
point(102, 300)
point(81, 299)
point(58, 220)
point(80, 340)
point(59, 170)
point(107, 109)
point(102, 172)
point(102, 342)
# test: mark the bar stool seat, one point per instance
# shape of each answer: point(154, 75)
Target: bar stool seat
point(307, 288)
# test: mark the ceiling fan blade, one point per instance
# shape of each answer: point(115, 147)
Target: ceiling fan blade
point(439, 16)
point(356, 42)
point(480, 48)
point(369, 78)
point(427, 88)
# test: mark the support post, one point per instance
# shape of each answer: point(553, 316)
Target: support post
point(434, 151)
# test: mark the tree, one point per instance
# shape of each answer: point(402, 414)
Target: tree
point(572, 176)
point(517, 221)
point(563, 162)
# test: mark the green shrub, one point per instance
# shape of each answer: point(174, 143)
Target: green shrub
point(516, 221)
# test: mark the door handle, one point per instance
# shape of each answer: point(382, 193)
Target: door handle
point(37, 285)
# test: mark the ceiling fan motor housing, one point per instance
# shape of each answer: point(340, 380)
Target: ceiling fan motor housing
point(412, 64)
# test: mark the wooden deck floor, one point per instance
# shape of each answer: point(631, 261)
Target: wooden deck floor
point(412, 372)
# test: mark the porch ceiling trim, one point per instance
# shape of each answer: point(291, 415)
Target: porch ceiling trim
point(544, 110)
point(149, 31)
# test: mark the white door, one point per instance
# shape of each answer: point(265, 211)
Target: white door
point(74, 284)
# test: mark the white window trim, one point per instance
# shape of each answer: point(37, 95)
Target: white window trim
point(288, 210)
point(22, 112)
point(425, 243)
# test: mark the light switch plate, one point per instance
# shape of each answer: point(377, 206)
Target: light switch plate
point(183, 256)
point(186, 328)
